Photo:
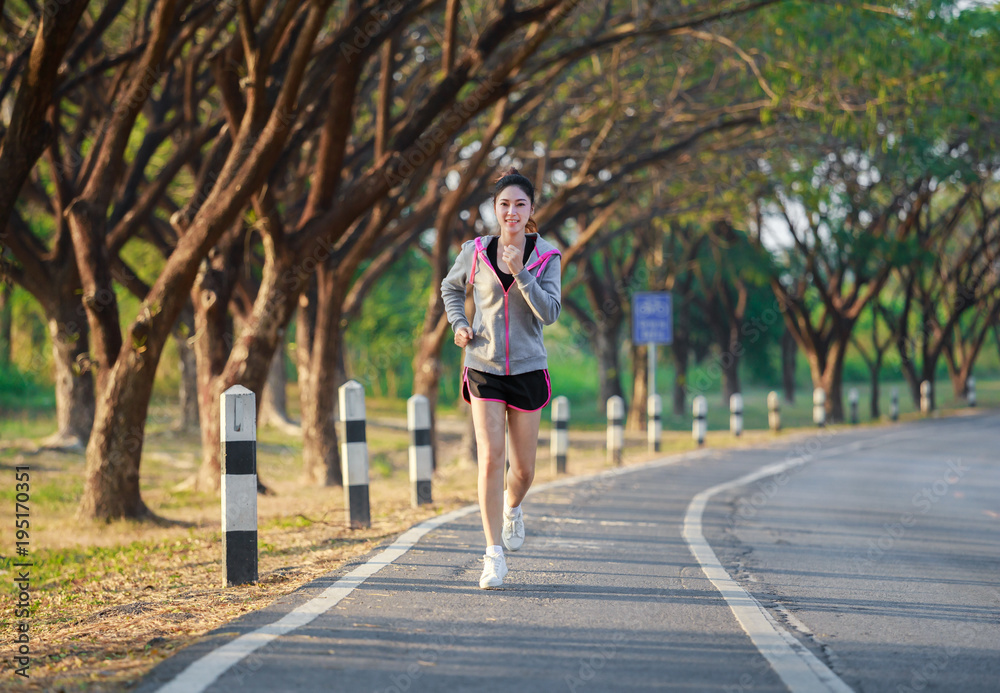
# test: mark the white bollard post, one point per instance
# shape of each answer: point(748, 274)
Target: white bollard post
point(616, 429)
point(418, 421)
point(852, 398)
point(774, 411)
point(894, 404)
point(970, 391)
point(699, 427)
point(736, 414)
point(238, 437)
point(819, 406)
point(354, 455)
point(654, 422)
point(925, 397)
point(560, 433)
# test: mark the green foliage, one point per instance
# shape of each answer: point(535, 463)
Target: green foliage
point(20, 390)
point(380, 341)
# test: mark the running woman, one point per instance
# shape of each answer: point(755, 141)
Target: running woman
point(516, 284)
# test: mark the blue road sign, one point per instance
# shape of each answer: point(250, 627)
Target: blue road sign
point(652, 318)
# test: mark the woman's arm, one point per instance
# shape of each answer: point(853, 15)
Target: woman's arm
point(453, 287)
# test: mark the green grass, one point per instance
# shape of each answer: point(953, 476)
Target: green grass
point(381, 465)
point(52, 569)
point(57, 493)
point(23, 423)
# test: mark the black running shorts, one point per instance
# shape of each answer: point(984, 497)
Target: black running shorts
point(525, 391)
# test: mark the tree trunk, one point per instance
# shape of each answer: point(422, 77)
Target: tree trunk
point(305, 326)
point(929, 372)
point(679, 350)
point(789, 352)
point(874, 370)
point(957, 376)
point(74, 381)
point(209, 298)
point(188, 391)
point(640, 388)
point(111, 489)
point(274, 408)
point(729, 361)
point(680, 354)
point(276, 394)
point(606, 350)
point(960, 383)
point(6, 322)
point(908, 367)
point(320, 453)
point(832, 381)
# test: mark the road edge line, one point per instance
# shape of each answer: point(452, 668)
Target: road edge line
point(799, 669)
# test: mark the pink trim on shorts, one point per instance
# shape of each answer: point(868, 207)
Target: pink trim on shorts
point(548, 384)
point(465, 382)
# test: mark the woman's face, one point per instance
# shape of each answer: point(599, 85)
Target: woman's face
point(513, 209)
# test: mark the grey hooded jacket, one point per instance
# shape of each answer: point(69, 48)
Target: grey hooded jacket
point(507, 324)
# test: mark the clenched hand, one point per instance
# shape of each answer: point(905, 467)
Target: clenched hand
point(463, 335)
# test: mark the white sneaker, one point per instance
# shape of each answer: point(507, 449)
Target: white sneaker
point(494, 571)
point(513, 531)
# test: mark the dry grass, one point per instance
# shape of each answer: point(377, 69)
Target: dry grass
point(112, 600)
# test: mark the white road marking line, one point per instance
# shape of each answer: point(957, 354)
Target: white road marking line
point(553, 542)
point(203, 672)
point(799, 669)
point(602, 523)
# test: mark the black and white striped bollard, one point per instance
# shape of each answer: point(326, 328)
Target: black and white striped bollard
point(699, 427)
point(354, 455)
point(852, 398)
point(736, 414)
point(894, 404)
point(616, 429)
point(654, 422)
point(774, 411)
point(238, 435)
point(926, 389)
point(418, 420)
point(560, 433)
point(970, 391)
point(819, 406)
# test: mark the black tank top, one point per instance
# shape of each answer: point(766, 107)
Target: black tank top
point(491, 253)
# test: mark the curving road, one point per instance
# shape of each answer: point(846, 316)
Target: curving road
point(872, 558)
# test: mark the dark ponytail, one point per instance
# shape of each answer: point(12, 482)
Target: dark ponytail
point(513, 177)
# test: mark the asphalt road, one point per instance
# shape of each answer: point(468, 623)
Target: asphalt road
point(877, 551)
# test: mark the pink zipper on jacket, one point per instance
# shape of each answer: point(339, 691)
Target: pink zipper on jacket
point(543, 260)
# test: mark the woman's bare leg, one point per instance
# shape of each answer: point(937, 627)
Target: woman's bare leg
point(523, 447)
point(489, 419)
